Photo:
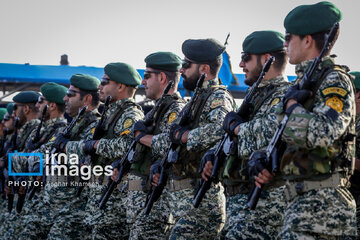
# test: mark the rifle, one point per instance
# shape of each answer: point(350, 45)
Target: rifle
point(276, 147)
point(228, 144)
point(37, 133)
point(130, 157)
point(10, 178)
point(173, 152)
point(98, 133)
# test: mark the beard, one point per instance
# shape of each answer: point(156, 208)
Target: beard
point(255, 75)
point(190, 82)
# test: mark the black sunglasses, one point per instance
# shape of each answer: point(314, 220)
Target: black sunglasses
point(245, 57)
point(71, 93)
point(288, 37)
point(41, 99)
point(17, 105)
point(147, 74)
point(105, 81)
point(186, 64)
point(7, 118)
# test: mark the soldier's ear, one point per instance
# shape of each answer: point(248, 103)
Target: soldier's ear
point(204, 68)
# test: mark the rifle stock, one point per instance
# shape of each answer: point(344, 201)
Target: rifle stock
point(276, 148)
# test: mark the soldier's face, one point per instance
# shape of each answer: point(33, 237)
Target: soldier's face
point(73, 101)
point(8, 122)
point(109, 89)
point(151, 83)
point(251, 66)
point(295, 48)
point(40, 106)
point(190, 74)
point(19, 112)
point(357, 102)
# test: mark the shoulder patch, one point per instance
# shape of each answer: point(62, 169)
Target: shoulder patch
point(275, 101)
point(52, 139)
point(172, 117)
point(335, 103)
point(126, 132)
point(92, 130)
point(217, 102)
point(334, 90)
point(128, 122)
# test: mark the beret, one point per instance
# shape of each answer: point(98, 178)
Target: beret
point(202, 50)
point(10, 108)
point(356, 74)
point(166, 61)
point(26, 97)
point(123, 73)
point(314, 18)
point(263, 42)
point(3, 111)
point(85, 82)
point(53, 92)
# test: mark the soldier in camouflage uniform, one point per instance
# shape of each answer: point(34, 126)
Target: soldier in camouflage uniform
point(355, 179)
point(161, 67)
point(320, 142)
point(61, 211)
point(266, 221)
point(205, 129)
point(120, 82)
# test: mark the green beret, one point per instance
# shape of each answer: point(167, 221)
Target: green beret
point(263, 42)
point(166, 61)
point(123, 73)
point(85, 82)
point(356, 74)
point(309, 19)
point(53, 92)
point(202, 50)
point(27, 97)
point(10, 108)
point(3, 111)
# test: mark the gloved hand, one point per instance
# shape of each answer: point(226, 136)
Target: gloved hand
point(208, 156)
point(30, 146)
point(155, 170)
point(60, 142)
point(256, 163)
point(139, 126)
point(231, 121)
point(88, 147)
point(298, 95)
point(176, 128)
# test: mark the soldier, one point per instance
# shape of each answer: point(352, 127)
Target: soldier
point(252, 135)
point(120, 82)
point(319, 133)
point(62, 212)
point(3, 111)
point(161, 68)
point(205, 129)
point(355, 179)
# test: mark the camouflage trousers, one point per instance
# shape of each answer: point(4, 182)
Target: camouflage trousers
point(326, 213)
point(154, 226)
point(263, 223)
point(111, 222)
point(204, 222)
point(60, 214)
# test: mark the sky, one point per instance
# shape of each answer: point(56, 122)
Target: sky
point(97, 32)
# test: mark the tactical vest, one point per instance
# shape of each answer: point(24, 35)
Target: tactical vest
point(188, 164)
point(48, 133)
point(142, 166)
point(22, 141)
point(86, 120)
point(320, 163)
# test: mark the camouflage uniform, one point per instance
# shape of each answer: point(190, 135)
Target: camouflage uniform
point(206, 221)
point(317, 150)
point(111, 222)
point(11, 226)
point(158, 222)
point(265, 222)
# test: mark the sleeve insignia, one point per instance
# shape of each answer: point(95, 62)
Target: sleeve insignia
point(126, 132)
point(52, 139)
point(335, 103)
point(172, 117)
point(217, 102)
point(275, 101)
point(128, 122)
point(92, 130)
point(334, 90)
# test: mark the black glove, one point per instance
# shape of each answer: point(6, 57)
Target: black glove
point(139, 126)
point(256, 163)
point(176, 128)
point(88, 147)
point(116, 164)
point(208, 156)
point(155, 168)
point(295, 93)
point(231, 121)
point(30, 146)
point(60, 142)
